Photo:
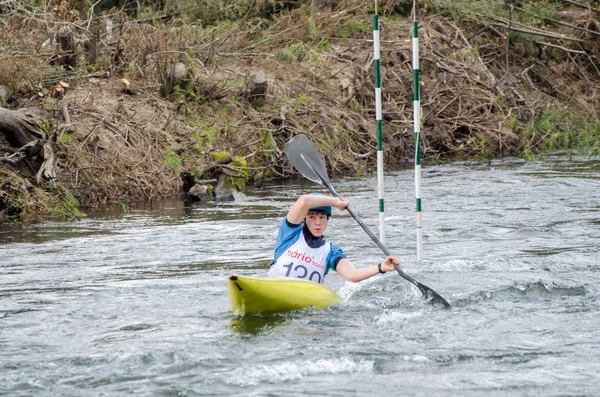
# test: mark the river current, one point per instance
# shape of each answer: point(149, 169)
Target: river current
point(135, 302)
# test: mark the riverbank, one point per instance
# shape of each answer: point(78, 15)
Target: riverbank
point(130, 105)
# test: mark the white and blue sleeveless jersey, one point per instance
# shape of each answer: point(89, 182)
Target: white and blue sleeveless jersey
point(299, 254)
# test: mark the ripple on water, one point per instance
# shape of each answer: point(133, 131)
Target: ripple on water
point(528, 291)
point(296, 370)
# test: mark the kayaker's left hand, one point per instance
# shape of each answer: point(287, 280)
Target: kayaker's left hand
point(388, 263)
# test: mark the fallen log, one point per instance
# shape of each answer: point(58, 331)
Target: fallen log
point(22, 130)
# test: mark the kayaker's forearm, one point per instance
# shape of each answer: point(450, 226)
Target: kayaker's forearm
point(299, 210)
point(346, 269)
point(363, 273)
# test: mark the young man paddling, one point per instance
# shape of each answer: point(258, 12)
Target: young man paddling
point(301, 250)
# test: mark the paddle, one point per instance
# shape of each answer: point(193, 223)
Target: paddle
point(308, 161)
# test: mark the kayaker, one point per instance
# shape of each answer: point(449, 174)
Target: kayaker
point(302, 252)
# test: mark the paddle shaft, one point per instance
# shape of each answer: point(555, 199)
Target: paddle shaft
point(309, 162)
point(377, 241)
point(386, 251)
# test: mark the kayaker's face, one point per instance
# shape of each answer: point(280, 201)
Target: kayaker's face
point(316, 223)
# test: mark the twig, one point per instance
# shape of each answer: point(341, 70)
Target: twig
point(65, 112)
point(357, 155)
point(85, 140)
point(562, 23)
point(561, 48)
point(13, 158)
point(587, 7)
point(193, 60)
point(231, 174)
point(205, 181)
point(538, 33)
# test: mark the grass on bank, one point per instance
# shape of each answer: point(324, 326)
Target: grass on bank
point(20, 197)
point(559, 130)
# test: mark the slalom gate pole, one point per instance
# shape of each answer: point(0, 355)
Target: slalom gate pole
point(378, 118)
point(417, 134)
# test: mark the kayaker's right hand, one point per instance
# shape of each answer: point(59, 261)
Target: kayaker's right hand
point(388, 263)
point(341, 204)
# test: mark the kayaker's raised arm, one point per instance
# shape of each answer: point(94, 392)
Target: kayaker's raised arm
point(305, 202)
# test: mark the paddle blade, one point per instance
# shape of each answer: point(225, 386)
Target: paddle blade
point(298, 150)
point(429, 294)
point(434, 297)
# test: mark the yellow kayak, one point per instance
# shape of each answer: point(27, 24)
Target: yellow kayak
point(269, 295)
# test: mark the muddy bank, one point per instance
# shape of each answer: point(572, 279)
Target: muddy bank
point(150, 107)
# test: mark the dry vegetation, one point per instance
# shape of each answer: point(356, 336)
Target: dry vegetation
point(149, 93)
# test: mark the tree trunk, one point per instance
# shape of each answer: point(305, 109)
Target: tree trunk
point(256, 87)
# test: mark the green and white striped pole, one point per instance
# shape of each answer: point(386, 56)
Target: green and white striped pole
point(417, 130)
point(378, 118)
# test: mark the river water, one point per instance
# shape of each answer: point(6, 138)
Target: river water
point(135, 303)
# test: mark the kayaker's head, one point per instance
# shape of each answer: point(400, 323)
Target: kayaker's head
point(316, 219)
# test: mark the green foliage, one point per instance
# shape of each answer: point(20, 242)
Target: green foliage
point(182, 92)
point(270, 175)
point(482, 150)
point(66, 136)
point(531, 13)
point(560, 129)
point(555, 129)
point(206, 135)
point(242, 164)
point(213, 12)
point(66, 205)
point(354, 29)
point(226, 109)
point(324, 45)
point(267, 140)
point(239, 161)
point(132, 70)
point(217, 156)
point(589, 138)
point(403, 8)
point(217, 60)
point(361, 170)
point(210, 12)
point(236, 83)
point(529, 154)
point(461, 9)
point(335, 138)
point(536, 12)
point(313, 29)
point(287, 55)
point(124, 207)
point(172, 160)
point(355, 105)
point(301, 101)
